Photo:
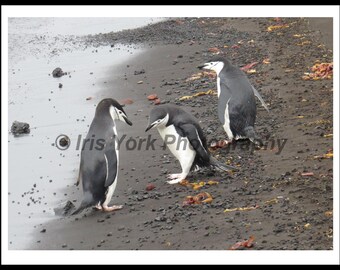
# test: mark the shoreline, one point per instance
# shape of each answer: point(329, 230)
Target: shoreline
point(156, 220)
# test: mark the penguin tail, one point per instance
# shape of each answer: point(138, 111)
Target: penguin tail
point(84, 204)
point(219, 165)
point(251, 135)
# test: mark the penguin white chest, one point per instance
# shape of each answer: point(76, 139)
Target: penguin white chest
point(226, 125)
point(179, 146)
point(111, 189)
point(218, 86)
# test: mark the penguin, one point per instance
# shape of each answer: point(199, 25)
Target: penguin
point(99, 159)
point(184, 137)
point(236, 100)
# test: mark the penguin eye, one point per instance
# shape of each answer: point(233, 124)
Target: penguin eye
point(120, 112)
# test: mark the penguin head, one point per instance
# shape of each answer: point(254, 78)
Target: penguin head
point(116, 111)
point(159, 117)
point(216, 64)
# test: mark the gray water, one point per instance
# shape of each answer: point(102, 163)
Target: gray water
point(38, 171)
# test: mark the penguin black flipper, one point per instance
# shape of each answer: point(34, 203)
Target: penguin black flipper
point(258, 95)
point(111, 163)
point(190, 131)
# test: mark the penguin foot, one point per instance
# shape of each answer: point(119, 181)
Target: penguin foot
point(99, 207)
point(175, 178)
point(174, 175)
point(112, 208)
point(175, 181)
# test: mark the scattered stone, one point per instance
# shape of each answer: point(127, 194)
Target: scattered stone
point(20, 128)
point(121, 228)
point(58, 72)
point(138, 72)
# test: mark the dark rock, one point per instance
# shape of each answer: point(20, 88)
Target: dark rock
point(138, 72)
point(20, 128)
point(58, 72)
point(60, 85)
point(121, 228)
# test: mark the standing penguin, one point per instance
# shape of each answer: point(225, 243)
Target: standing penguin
point(184, 137)
point(99, 157)
point(236, 99)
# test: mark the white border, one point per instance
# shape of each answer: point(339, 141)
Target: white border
point(165, 257)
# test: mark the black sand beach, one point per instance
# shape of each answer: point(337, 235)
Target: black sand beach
point(287, 186)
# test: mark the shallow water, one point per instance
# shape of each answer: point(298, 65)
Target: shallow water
point(38, 170)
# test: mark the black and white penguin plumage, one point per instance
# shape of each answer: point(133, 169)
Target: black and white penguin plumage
point(184, 137)
point(236, 99)
point(100, 157)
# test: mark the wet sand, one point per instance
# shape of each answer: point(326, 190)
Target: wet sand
point(300, 112)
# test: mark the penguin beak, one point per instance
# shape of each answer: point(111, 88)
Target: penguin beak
point(149, 127)
point(127, 121)
point(202, 66)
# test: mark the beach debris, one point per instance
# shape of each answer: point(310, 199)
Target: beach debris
point(243, 244)
point(272, 28)
point(138, 72)
point(150, 187)
point(328, 155)
point(303, 43)
point(257, 206)
point(307, 226)
point(157, 101)
point(58, 72)
point(88, 98)
point(298, 35)
point(251, 71)
point(235, 46)
point(214, 50)
point(272, 201)
point(218, 144)
point(126, 101)
point(152, 97)
point(200, 198)
point(197, 185)
point(329, 213)
point(139, 82)
point(60, 85)
point(199, 75)
point(320, 71)
point(307, 174)
point(249, 66)
point(319, 122)
point(209, 92)
point(266, 61)
point(241, 209)
point(328, 135)
point(18, 128)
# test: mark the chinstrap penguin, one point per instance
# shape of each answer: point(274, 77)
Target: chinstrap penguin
point(99, 161)
point(236, 99)
point(184, 137)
